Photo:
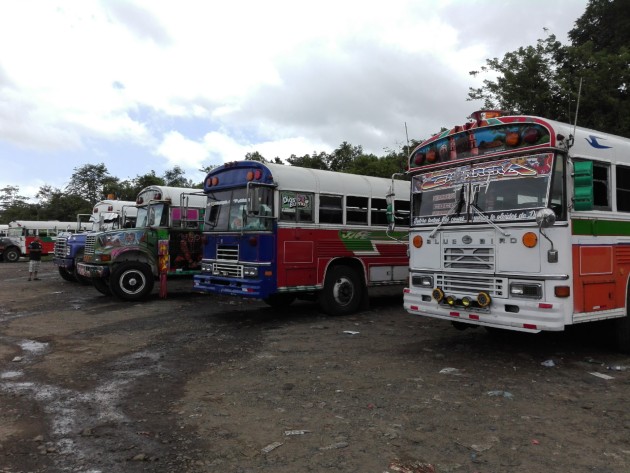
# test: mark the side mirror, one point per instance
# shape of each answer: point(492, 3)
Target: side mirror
point(583, 185)
point(545, 218)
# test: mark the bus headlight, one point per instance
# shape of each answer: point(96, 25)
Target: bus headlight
point(528, 290)
point(250, 272)
point(422, 281)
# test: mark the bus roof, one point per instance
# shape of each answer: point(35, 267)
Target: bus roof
point(303, 179)
point(193, 197)
point(45, 224)
point(110, 209)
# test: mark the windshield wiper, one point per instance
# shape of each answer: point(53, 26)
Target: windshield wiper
point(456, 208)
point(476, 209)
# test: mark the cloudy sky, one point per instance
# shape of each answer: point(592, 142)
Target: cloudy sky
point(143, 85)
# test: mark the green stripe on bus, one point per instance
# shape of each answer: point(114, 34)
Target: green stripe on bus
point(600, 227)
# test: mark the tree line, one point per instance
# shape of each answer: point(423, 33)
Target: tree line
point(584, 82)
point(93, 182)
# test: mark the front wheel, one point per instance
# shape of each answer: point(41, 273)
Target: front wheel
point(12, 255)
point(342, 291)
point(131, 281)
point(102, 286)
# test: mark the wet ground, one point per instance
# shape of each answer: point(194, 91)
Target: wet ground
point(195, 383)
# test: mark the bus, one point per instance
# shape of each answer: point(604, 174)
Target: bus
point(22, 232)
point(108, 214)
point(521, 223)
point(4, 229)
point(165, 241)
point(278, 232)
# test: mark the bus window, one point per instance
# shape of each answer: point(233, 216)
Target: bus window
point(379, 212)
point(402, 209)
point(623, 189)
point(330, 209)
point(296, 206)
point(356, 210)
point(600, 186)
point(556, 200)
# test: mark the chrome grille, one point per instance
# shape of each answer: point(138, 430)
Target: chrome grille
point(60, 246)
point(227, 252)
point(475, 258)
point(90, 242)
point(226, 269)
point(471, 284)
point(227, 262)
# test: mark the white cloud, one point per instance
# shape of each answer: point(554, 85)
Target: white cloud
point(196, 83)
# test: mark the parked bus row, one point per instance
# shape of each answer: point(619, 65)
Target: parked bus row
point(507, 221)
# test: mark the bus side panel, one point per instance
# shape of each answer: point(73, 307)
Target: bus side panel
point(297, 248)
point(600, 276)
point(305, 254)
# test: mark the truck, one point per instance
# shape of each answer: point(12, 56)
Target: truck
point(166, 241)
point(21, 233)
point(108, 214)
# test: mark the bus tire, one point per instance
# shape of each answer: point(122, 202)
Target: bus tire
point(278, 301)
point(131, 281)
point(65, 274)
point(343, 291)
point(12, 255)
point(102, 286)
point(621, 329)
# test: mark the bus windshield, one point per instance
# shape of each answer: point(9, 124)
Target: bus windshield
point(227, 210)
point(155, 215)
point(505, 190)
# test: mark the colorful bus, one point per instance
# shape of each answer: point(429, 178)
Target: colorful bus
point(165, 241)
point(109, 214)
point(521, 223)
point(22, 232)
point(277, 232)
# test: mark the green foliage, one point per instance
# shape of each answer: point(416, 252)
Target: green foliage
point(545, 79)
point(87, 182)
point(527, 81)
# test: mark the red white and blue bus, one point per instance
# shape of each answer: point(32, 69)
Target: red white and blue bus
point(23, 232)
point(521, 223)
point(277, 232)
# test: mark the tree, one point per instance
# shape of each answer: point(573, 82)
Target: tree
point(342, 157)
point(88, 181)
point(545, 79)
point(599, 57)
point(527, 81)
point(316, 161)
point(175, 178)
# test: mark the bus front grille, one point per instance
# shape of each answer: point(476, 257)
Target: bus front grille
point(60, 246)
point(476, 259)
point(228, 270)
point(465, 284)
point(227, 253)
point(90, 243)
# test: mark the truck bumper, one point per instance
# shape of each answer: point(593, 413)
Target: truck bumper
point(67, 263)
point(93, 270)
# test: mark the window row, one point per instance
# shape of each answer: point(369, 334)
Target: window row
point(331, 209)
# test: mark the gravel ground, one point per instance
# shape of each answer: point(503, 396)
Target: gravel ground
point(198, 383)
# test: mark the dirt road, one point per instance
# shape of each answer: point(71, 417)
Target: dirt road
point(196, 383)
